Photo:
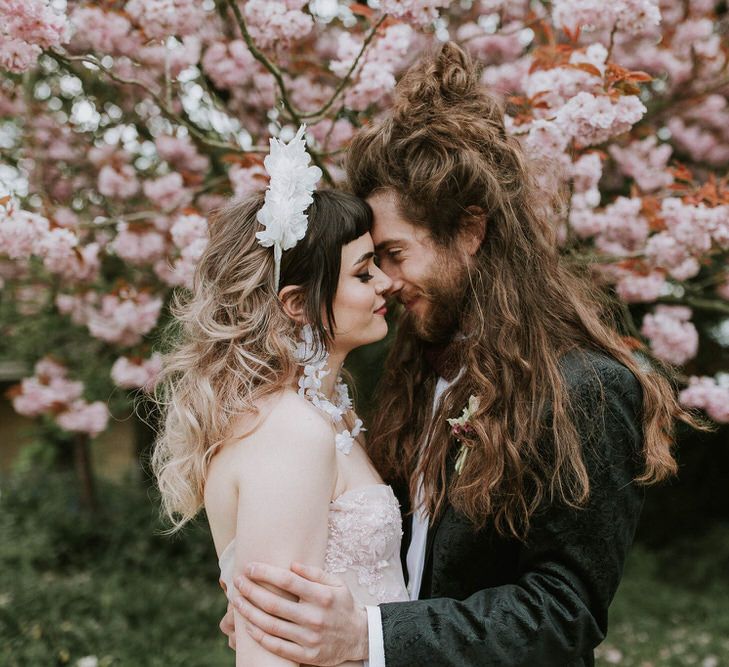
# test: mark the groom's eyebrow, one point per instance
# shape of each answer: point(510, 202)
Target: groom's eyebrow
point(367, 255)
point(386, 244)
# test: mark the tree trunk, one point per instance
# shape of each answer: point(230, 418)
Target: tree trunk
point(84, 472)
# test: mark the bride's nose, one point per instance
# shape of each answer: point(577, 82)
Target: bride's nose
point(384, 282)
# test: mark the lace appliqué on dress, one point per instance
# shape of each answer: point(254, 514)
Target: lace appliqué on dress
point(365, 530)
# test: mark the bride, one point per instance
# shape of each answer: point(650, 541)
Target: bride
point(258, 426)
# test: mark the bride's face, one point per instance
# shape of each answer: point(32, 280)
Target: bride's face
point(359, 305)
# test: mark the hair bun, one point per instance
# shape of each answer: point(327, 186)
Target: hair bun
point(443, 79)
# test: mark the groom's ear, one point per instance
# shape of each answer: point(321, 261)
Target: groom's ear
point(292, 300)
point(473, 229)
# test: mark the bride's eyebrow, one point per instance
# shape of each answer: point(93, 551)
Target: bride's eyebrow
point(366, 256)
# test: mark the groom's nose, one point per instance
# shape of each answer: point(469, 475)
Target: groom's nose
point(395, 286)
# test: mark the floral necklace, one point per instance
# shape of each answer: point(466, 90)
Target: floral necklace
point(310, 382)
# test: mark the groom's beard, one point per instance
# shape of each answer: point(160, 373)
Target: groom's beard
point(444, 294)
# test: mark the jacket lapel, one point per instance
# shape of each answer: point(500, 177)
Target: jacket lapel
point(425, 587)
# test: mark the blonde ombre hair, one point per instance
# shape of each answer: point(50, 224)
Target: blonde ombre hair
point(232, 342)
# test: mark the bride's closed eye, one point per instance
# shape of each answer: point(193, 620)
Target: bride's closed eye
point(365, 277)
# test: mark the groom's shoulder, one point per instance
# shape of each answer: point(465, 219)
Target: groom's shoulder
point(586, 370)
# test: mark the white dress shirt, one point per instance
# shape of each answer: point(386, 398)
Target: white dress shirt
point(415, 560)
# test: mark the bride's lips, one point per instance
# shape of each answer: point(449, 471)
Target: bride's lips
point(382, 310)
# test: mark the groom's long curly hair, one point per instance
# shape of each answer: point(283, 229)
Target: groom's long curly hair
point(442, 150)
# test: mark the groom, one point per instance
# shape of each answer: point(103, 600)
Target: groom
point(517, 518)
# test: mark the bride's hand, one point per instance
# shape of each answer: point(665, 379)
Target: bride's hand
point(325, 627)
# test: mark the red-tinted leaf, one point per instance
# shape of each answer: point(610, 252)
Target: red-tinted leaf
point(359, 9)
point(639, 77)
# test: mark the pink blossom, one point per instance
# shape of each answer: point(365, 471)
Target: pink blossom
point(229, 64)
point(417, 12)
point(101, 31)
point(559, 84)
point(702, 145)
point(17, 56)
point(631, 16)
point(624, 225)
point(28, 27)
point(83, 417)
point(138, 246)
point(247, 180)
point(124, 319)
point(706, 393)
point(645, 161)
point(583, 219)
point(506, 78)
point(65, 217)
point(168, 192)
point(48, 389)
point(332, 135)
point(76, 306)
point(492, 47)
point(162, 18)
point(638, 288)
point(672, 337)
point(58, 249)
point(181, 153)
point(171, 56)
point(592, 120)
point(271, 21)
point(547, 141)
point(188, 229)
point(665, 251)
point(47, 368)
point(135, 373)
point(120, 183)
point(690, 225)
point(375, 75)
point(586, 172)
point(21, 232)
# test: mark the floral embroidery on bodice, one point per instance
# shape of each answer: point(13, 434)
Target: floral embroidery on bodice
point(365, 529)
point(363, 548)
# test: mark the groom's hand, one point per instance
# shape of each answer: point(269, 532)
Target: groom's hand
point(227, 623)
point(325, 627)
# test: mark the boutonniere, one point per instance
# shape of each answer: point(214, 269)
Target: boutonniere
point(460, 427)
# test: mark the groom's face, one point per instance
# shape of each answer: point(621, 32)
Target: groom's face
point(427, 279)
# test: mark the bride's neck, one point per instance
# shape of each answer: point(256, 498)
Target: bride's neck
point(334, 364)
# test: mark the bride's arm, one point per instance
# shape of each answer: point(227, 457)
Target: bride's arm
point(286, 474)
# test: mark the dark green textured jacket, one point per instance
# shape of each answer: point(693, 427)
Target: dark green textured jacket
point(492, 601)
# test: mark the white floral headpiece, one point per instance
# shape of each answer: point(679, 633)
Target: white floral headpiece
point(289, 194)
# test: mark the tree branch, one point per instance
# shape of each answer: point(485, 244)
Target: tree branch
point(347, 77)
point(707, 305)
point(278, 76)
point(166, 110)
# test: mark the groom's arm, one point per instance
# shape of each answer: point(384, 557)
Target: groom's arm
point(552, 615)
point(556, 612)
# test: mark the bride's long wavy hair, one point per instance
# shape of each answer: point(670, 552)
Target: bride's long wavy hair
point(442, 149)
point(232, 341)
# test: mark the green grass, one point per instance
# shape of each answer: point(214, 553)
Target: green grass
point(112, 587)
point(672, 608)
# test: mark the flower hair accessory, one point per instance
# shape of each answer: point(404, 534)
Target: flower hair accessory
point(460, 427)
point(288, 196)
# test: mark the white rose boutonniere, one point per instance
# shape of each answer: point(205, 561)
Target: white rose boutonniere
point(460, 427)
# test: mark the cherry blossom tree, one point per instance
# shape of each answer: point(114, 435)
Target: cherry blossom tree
point(124, 123)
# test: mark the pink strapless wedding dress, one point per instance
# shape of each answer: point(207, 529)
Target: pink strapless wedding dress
point(363, 548)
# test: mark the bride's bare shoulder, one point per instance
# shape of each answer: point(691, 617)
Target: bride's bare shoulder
point(281, 421)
